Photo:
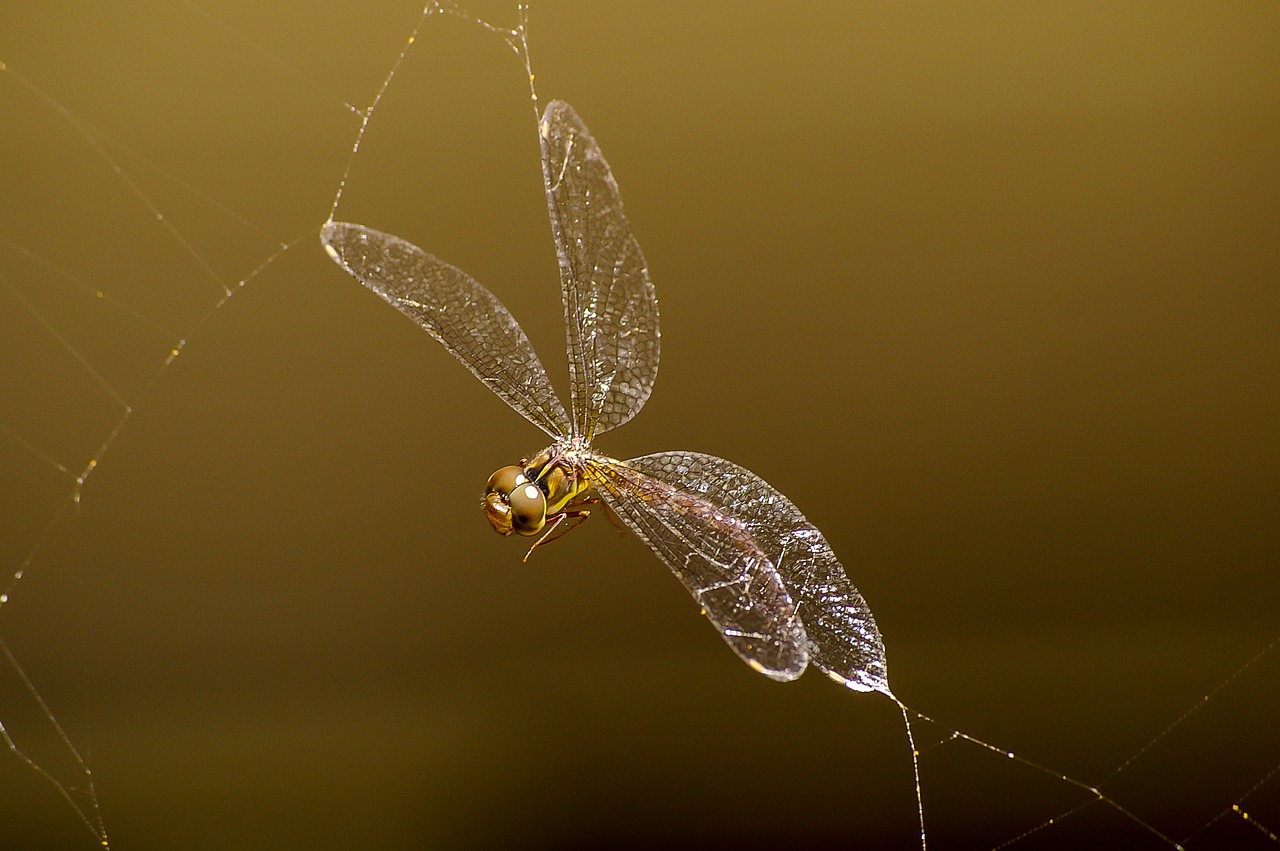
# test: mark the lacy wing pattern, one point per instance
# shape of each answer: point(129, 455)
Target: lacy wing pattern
point(456, 310)
point(843, 640)
point(610, 310)
point(713, 554)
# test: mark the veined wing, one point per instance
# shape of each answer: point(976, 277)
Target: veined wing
point(714, 555)
point(610, 311)
point(843, 639)
point(454, 308)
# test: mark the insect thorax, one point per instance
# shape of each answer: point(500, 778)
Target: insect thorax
point(558, 472)
point(522, 498)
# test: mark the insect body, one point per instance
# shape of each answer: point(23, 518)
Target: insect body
point(762, 574)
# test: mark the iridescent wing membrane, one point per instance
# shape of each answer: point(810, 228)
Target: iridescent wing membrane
point(456, 310)
point(764, 576)
point(714, 554)
point(839, 633)
point(610, 310)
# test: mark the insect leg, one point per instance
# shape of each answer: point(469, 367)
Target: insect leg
point(559, 528)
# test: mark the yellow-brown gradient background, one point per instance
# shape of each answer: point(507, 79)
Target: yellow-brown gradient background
point(989, 290)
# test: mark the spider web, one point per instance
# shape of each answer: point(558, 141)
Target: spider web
point(247, 599)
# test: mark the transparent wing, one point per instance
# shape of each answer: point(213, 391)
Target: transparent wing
point(843, 639)
point(466, 318)
point(610, 312)
point(714, 555)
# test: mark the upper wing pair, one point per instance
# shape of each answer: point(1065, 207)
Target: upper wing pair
point(611, 314)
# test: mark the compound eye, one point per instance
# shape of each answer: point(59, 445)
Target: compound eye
point(528, 509)
point(506, 480)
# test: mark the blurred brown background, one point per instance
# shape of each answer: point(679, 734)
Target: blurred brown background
point(990, 292)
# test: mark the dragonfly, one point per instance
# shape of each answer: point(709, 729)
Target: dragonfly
point(762, 574)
